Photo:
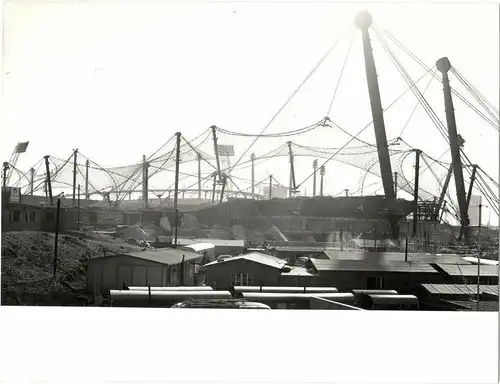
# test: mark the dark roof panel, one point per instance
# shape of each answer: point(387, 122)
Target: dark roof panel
point(468, 270)
point(395, 256)
point(360, 265)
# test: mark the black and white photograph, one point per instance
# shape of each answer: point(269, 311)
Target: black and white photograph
point(195, 157)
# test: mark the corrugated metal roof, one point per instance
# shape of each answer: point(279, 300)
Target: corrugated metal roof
point(395, 256)
point(459, 289)
point(380, 266)
point(215, 242)
point(260, 258)
point(167, 256)
point(468, 270)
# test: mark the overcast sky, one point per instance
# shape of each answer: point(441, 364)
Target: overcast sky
point(118, 79)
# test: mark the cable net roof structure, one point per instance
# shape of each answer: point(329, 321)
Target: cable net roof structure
point(336, 130)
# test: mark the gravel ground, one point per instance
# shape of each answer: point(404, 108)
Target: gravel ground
point(27, 265)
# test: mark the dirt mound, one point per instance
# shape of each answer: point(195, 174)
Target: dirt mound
point(27, 264)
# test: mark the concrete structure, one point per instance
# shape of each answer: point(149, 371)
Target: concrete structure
point(160, 268)
point(249, 269)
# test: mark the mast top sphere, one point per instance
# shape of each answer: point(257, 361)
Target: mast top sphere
point(443, 65)
point(363, 20)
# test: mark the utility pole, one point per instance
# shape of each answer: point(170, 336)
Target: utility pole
point(292, 169)
point(87, 165)
point(56, 238)
point(49, 184)
point(252, 159)
point(213, 190)
point(395, 185)
point(363, 21)
point(75, 167)
point(216, 150)
point(443, 65)
point(469, 194)
point(224, 180)
point(176, 188)
point(270, 186)
point(415, 191)
point(78, 210)
point(479, 258)
point(315, 166)
point(321, 178)
point(32, 180)
point(145, 179)
point(5, 171)
point(199, 175)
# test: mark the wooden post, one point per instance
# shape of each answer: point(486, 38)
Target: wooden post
point(315, 167)
point(341, 239)
point(47, 179)
point(182, 271)
point(87, 165)
point(176, 187)
point(406, 248)
point(415, 192)
point(199, 176)
point(270, 186)
point(252, 159)
point(75, 168)
point(78, 210)
point(395, 185)
point(56, 238)
point(32, 180)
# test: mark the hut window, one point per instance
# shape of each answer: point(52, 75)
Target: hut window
point(15, 216)
point(30, 216)
point(242, 279)
point(375, 283)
